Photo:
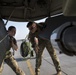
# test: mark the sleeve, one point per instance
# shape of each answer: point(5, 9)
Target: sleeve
point(14, 41)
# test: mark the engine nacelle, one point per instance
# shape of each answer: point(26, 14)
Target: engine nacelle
point(64, 38)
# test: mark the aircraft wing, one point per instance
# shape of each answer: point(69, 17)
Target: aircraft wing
point(25, 10)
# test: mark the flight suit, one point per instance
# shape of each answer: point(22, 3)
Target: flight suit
point(42, 44)
point(9, 59)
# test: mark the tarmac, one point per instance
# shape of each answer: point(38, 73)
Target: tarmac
point(27, 64)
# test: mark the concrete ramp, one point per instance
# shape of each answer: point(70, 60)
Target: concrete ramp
point(68, 64)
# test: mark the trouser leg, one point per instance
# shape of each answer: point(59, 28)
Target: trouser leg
point(39, 59)
point(14, 65)
point(54, 57)
point(1, 68)
point(38, 64)
point(56, 61)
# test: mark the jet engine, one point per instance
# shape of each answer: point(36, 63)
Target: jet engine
point(64, 38)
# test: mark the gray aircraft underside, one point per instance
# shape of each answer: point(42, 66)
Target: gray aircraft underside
point(25, 10)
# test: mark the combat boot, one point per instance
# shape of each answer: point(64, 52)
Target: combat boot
point(59, 73)
point(37, 71)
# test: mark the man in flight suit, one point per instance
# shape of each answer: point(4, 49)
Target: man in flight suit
point(9, 59)
point(39, 44)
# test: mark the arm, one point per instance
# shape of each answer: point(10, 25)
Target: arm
point(36, 44)
point(14, 43)
point(15, 47)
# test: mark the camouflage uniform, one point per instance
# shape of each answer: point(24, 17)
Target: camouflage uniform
point(9, 59)
point(42, 44)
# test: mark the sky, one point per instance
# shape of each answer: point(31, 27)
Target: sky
point(21, 29)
